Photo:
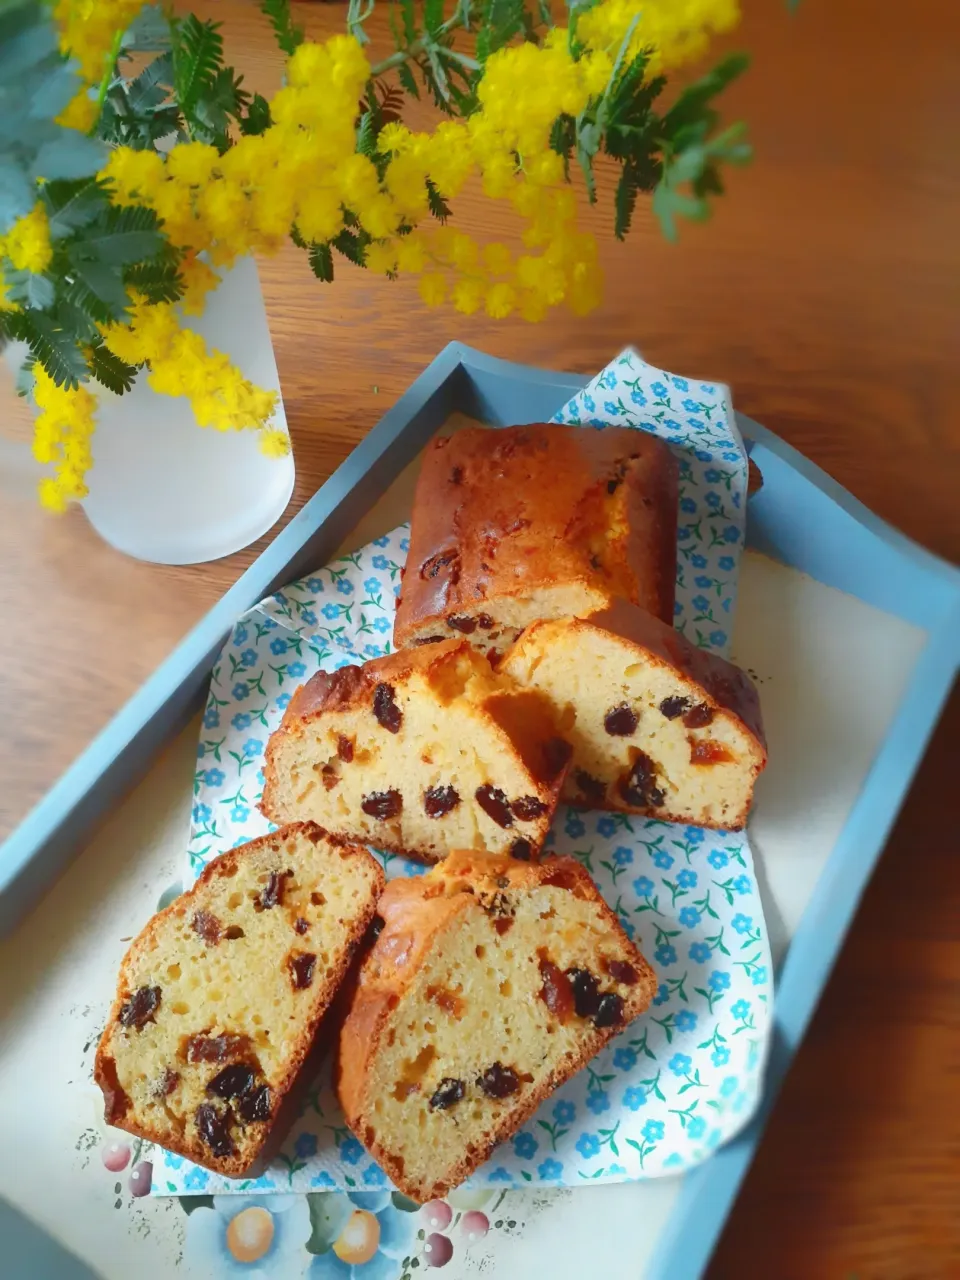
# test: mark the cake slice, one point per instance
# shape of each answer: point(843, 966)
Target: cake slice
point(419, 752)
point(660, 727)
point(489, 985)
point(219, 997)
point(521, 523)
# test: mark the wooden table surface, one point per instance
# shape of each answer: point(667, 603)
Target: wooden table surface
point(825, 291)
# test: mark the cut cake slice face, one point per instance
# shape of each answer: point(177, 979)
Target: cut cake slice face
point(489, 985)
point(660, 727)
point(219, 997)
point(420, 752)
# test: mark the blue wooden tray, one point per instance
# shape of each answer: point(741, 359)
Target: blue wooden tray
point(800, 517)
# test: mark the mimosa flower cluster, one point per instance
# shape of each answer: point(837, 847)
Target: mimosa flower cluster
point(322, 167)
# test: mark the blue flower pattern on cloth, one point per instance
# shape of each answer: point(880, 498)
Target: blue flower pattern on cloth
point(687, 1075)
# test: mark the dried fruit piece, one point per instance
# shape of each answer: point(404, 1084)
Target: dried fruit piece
point(302, 966)
point(447, 1093)
point(271, 895)
point(621, 721)
point(609, 1011)
point(673, 707)
point(439, 801)
point(522, 850)
point(698, 717)
point(254, 1106)
point(301, 926)
point(201, 1048)
point(443, 560)
point(485, 622)
point(208, 927)
point(382, 804)
point(709, 753)
point(495, 804)
point(528, 808)
point(140, 1008)
point(345, 748)
point(502, 924)
point(638, 787)
point(591, 788)
point(385, 708)
point(166, 1083)
point(556, 992)
point(499, 1081)
point(329, 777)
point(214, 1129)
point(462, 623)
point(233, 932)
point(586, 992)
point(232, 1081)
point(621, 972)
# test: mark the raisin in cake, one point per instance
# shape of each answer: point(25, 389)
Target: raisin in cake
point(661, 727)
point(523, 523)
point(419, 752)
point(490, 984)
point(219, 997)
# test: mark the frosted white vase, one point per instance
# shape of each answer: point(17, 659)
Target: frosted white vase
point(166, 490)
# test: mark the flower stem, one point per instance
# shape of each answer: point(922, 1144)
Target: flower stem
point(109, 70)
point(416, 47)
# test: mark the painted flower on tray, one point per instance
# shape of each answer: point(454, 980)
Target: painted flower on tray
point(361, 1235)
point(250, 1236)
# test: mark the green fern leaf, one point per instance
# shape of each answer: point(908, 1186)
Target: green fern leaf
point(438, 206)
point(409, 16)
point(105, 284)
point(433, 16)
point(72, 205)
point(321, 261)
point(624, 202)
point(80, 296)
point(109, 369)
point(257, 120)
point(367, 134)
point(55, 347)
point(125, 234)
point(353, 246)
point(197, 58)
point(289, 37)
point(153, 85)
point(408, 80)
point(30, 290)
point(158, 279)
point(77, 320)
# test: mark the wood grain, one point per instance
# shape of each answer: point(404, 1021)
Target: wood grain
point(826, 292)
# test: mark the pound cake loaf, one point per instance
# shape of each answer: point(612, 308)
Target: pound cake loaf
point(490, 984)
point(219, 997)
point(523, 523)
point(419, 752)
point(660, 727)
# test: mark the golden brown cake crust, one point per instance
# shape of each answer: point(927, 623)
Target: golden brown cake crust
point(116, 1103)
point(414, 912)
point(504, 512)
